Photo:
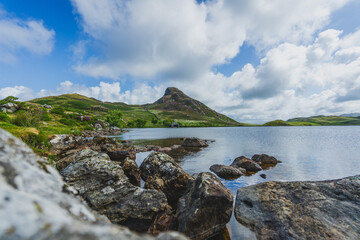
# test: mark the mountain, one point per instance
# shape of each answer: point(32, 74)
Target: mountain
point(177, 105)
point(173, 106)
point(350, 115)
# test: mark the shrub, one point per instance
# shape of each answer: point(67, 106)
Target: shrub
point(39, 141)
point(167, 122)
point(139, 123)
point(68, 122)
point(114, 118)
point(28, 118)
point(46, 117)
point(58, 110)
point(8, 99)
point(4, 117)
point(154, 121)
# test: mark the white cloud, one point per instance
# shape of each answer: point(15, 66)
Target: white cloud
point(183, 39)
point(105, 91)
point(17, 35)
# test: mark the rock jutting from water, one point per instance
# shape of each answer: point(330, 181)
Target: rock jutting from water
point(205, 208)
point(264, 159)
point(227, 172)
point(33, 204)
point(301, 210)
point(246, 163)
point(194, 142)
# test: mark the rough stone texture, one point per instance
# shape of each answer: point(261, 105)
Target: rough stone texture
point(33, 204)
point(247, 164)
point(103, 184)
point(161, 172)
point(194, 142)
point(227, 172)
point(131, 170)
point(205, 208)
point(264, 159)
point(301, 210)
point(120, 156)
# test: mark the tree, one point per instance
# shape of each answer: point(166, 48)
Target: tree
point(114, 118)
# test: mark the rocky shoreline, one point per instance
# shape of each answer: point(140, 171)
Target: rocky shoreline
point(94, 192)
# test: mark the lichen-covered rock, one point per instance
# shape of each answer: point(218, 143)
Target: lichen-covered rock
point(33, 204)
point(9, 107)
point(120, 155)
point(103, 184)
point(131, 170)
point(301, 210)
point(161, 172)
point(205, 208)
point(227, 172)
point(194, 142)
point(264, 159)
point(247, 164)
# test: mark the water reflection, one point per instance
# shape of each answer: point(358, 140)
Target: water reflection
point(307, 153)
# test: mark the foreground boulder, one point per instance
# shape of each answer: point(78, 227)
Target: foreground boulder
point(247, 164)
point(194, 142)
point(264, 159)
point(227, 172)
point(301, 210)
point(33, 204)
point(161, 172)
point(103, 184)
point(205, 208)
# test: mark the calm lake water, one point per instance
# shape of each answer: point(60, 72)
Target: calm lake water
point(307, 153)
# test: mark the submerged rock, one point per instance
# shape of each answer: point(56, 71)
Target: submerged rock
point(227, 172)
point(33, 204)
point(161, 172)
point(301, 210)
point(205, 208)
point(264, 159)
point(247, 164)
point(194, 142)
point(103, 184)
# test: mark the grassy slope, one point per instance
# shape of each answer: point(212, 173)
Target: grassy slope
point(82, 104)
point(317, 121)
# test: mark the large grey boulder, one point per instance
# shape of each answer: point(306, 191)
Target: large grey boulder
point(106, 188)
point(161, 172)
point(205, 208)
point(33, 204)
point(301, 210)
point(9, 107)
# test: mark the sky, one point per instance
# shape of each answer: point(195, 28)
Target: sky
point(254, 61)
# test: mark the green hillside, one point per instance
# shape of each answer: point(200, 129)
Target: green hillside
point(317, 121)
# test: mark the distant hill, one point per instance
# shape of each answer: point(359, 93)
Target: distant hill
point(317, 121)
point(174, 105)
point(350, 115)
point(177, 105)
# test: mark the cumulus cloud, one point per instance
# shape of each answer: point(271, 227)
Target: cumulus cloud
point(105, 91)
point(174, 39)
point(17, 34)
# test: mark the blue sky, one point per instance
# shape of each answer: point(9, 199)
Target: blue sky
point(252, 61)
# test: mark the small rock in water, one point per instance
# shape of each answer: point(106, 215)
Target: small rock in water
point(247, 164)
point(226, 172)
point(264, 159)
point(263, 175)
point(194, 142)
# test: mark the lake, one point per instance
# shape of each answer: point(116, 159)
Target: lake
point(307, 153)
